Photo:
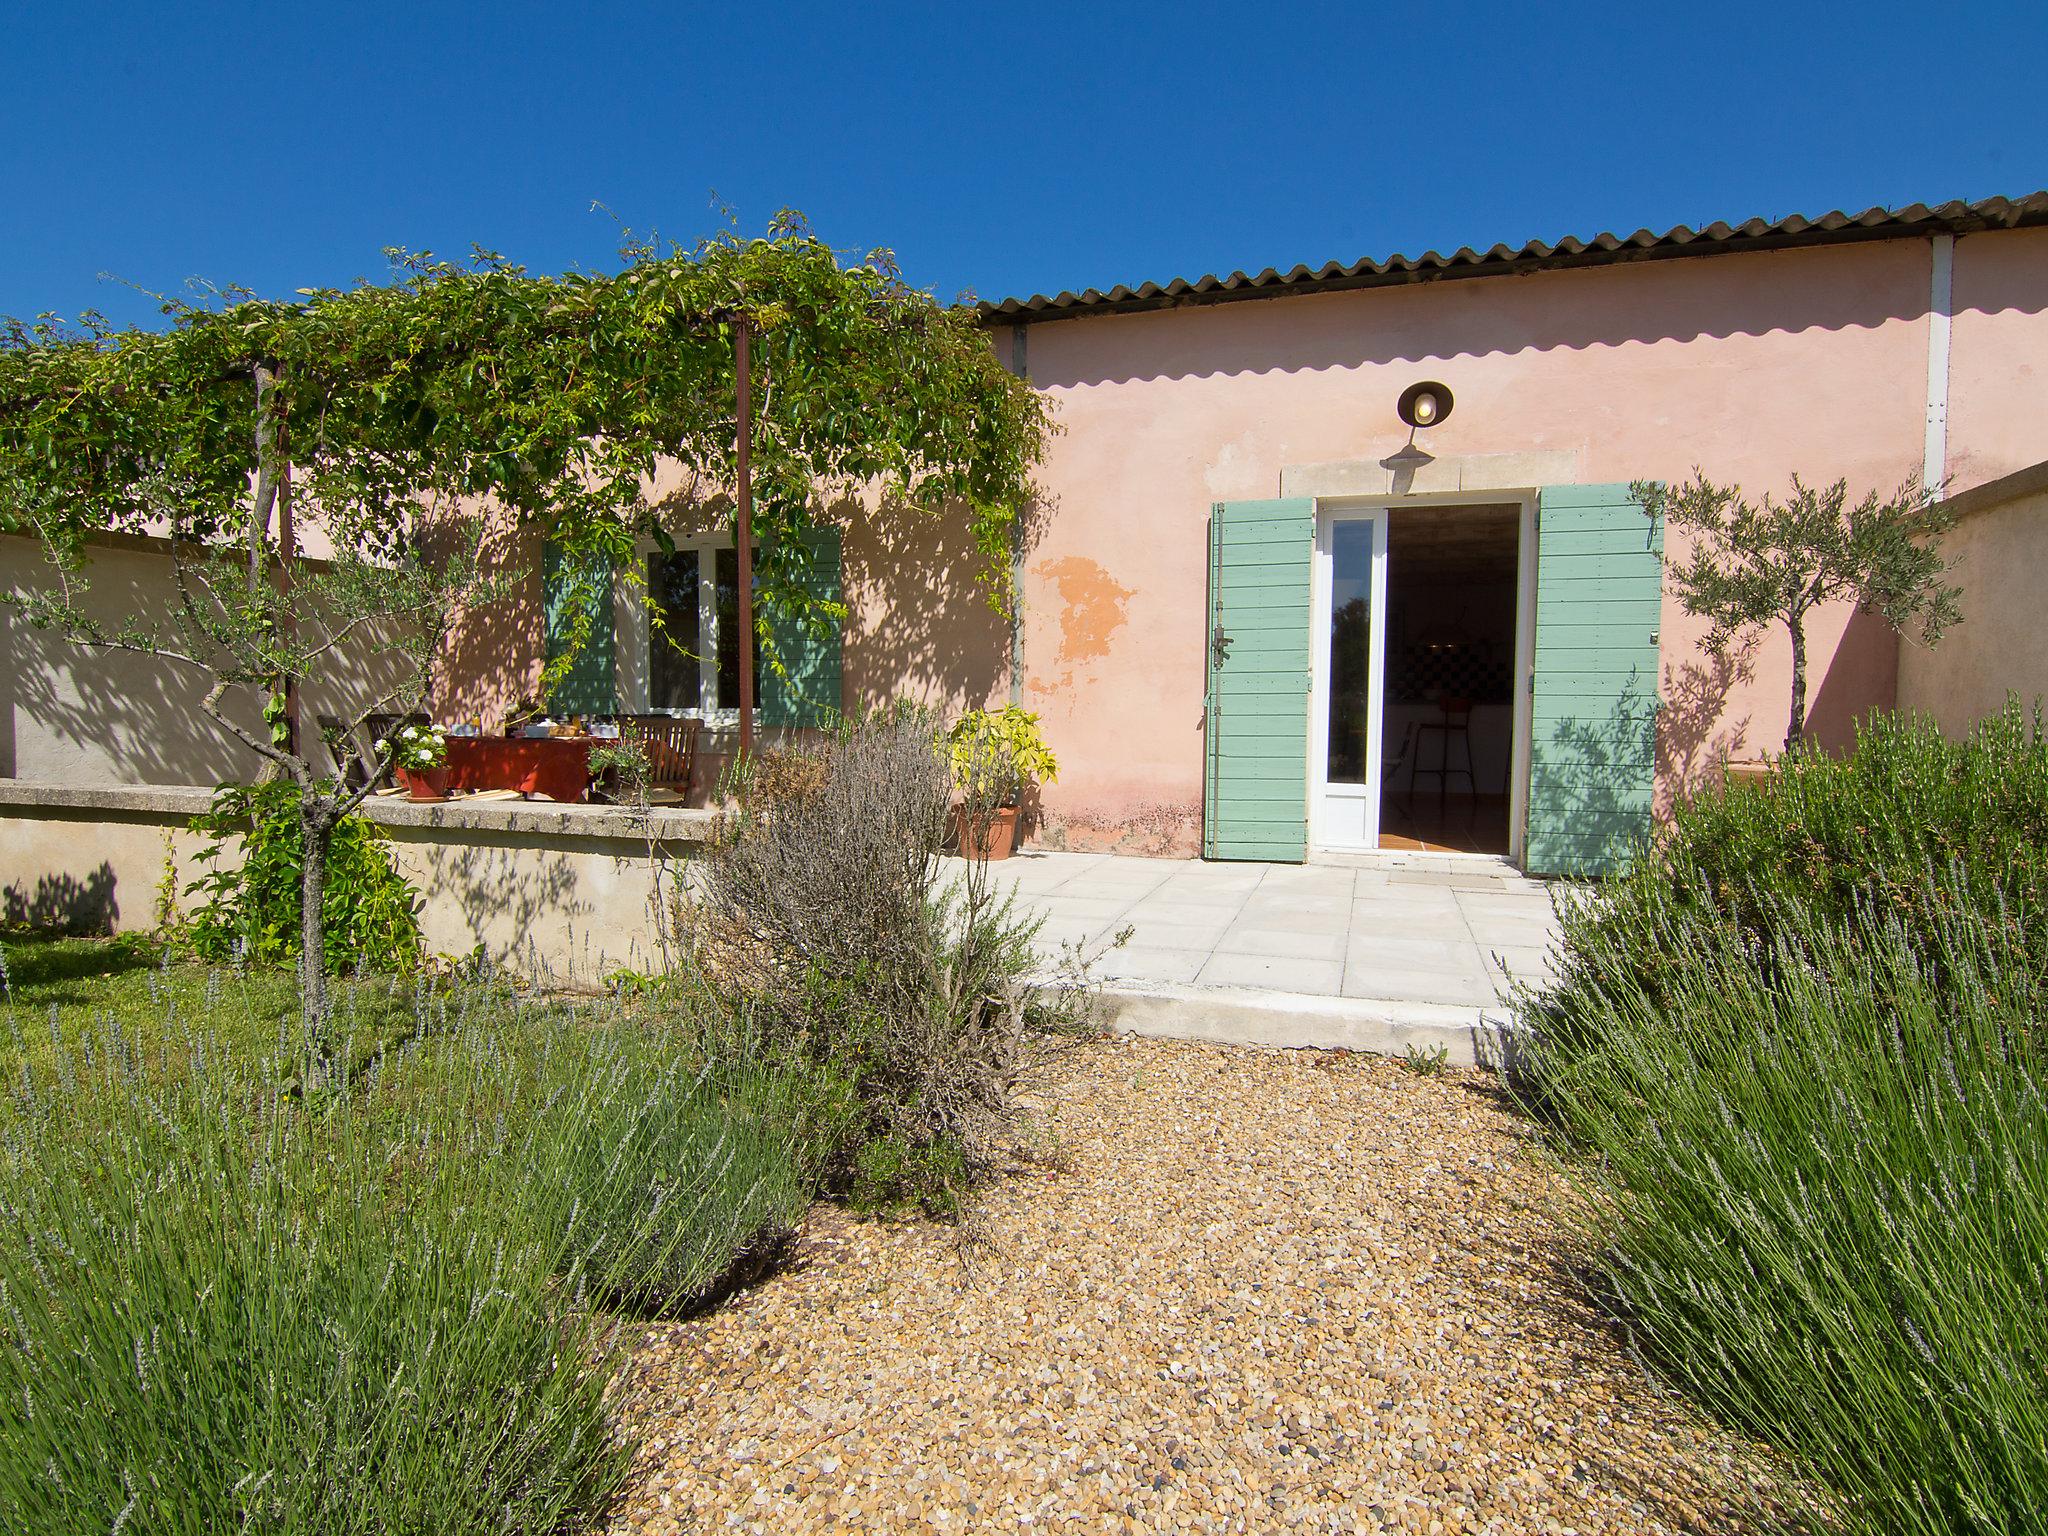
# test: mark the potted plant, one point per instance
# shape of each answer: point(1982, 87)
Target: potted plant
point(421, 754)
point(620, 770)
point(996, 756)
point(1746, 770)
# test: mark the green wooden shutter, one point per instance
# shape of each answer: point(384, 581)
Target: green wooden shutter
point(1255, 787)
point(1599, 586)
point(810, 694)
point(588, 688)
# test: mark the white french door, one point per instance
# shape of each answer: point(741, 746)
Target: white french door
point(1347, 636)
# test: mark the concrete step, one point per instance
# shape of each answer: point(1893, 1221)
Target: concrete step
point(1243, 1016)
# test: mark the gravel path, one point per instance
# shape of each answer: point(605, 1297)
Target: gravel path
point(1262, 1291)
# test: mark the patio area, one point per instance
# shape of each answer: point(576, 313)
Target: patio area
point(1370, 952)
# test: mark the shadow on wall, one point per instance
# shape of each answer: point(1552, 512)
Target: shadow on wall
point(10, 672)
point(80, 715)
point(921, 624)
point(503, 895)
point(83, 717)
point(1832, 289)
point(492, 658)
point(64, 903)
point(1861, 677)
point(1589, 786)
point(86, 717)
point(1694, 735)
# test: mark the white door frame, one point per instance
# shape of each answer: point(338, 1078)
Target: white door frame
point(1524, 683)
point(1332, 508)
point(1322, 575)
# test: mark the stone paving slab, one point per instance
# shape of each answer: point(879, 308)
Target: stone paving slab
point(1369, 951)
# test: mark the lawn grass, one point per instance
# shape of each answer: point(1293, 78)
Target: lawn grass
point(382, 1300)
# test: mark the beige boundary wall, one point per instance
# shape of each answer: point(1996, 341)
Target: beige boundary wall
point(70, 714)
point(1999, 554)
point(571, 890)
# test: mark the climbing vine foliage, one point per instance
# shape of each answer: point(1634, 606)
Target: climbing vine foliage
point(399, 417)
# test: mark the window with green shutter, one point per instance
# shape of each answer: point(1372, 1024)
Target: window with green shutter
point(1593, 719)
point(807, 691)
point(577, 606)
point(691, 657)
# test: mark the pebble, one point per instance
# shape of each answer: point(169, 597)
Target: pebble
point(1261, 1291)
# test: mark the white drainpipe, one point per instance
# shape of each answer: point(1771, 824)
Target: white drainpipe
point(1940, 323)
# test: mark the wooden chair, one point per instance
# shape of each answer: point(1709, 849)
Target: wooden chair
point(671, 743)
point(381, 727)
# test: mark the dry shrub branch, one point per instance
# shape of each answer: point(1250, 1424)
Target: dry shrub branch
point(829, 906)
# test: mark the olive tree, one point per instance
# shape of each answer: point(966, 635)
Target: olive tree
point(244, 418)
point(1754, 564)
point(393, 415)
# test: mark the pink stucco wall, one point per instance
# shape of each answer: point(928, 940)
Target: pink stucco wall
point(1998, 372)
point(493, 657)
point(1747, 367)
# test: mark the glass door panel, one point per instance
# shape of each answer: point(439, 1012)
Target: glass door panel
point(1349, 618)
point(1349, 658)
point(675, 643)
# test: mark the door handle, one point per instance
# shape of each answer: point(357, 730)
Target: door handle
point(1219, 647)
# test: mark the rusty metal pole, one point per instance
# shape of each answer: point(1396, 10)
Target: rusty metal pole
point(744, 493)
point(287, 551)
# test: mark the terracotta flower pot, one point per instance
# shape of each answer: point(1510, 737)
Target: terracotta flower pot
point(428, 783)
point(1753, 771)
point(989, 835)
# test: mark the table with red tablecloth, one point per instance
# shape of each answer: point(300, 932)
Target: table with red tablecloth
point(555, 766)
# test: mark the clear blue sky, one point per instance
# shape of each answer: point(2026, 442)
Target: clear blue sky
point(1003, 150)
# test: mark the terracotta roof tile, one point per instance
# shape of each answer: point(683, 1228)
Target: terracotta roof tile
point(1833, 228)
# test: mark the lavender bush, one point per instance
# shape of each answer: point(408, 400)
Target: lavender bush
point(383, 1305)
point(1813, 1133)
point(829, 909)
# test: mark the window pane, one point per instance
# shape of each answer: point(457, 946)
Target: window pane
point(673, 673)
point(1350, 669)
point(727, 567)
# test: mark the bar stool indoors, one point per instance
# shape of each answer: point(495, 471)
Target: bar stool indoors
point(1454, 726)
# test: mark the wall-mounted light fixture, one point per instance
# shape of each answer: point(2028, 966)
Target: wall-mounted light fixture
point(1424, 404)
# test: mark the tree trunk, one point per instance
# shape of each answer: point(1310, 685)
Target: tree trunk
point(258, 533)
point(316, 827)
point(1796, 728)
